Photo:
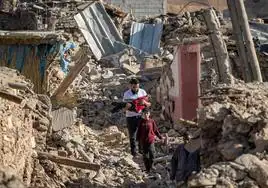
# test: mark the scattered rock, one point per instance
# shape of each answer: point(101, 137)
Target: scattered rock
point(257, 169)
point(128, 161)
point(100, 177)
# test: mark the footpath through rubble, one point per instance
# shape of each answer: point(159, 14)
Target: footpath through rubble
point(75, 141)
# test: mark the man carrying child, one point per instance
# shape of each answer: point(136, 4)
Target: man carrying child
point(134, 116)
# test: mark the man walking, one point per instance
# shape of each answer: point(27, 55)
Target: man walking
point(133, 117)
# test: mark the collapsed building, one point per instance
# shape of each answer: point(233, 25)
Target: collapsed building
point(59, 131)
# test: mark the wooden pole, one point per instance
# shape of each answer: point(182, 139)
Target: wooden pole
point(247, 73)
point(69, 162)
point(253, 60)
point(220, 49)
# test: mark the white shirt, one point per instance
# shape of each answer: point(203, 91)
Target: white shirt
point(129, 96)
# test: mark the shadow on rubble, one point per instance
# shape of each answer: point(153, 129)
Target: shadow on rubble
point(152, 181)
point(97, 114)
point(131, 184)
point(82, 183)
point(85, 183)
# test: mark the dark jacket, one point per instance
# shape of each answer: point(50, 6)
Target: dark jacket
point(183, 163)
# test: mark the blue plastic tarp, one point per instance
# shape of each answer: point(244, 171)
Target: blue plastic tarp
point(64, 63)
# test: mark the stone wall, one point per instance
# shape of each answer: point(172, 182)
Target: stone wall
point(18, 21)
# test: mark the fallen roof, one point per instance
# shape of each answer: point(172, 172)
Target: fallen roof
point(29, 37)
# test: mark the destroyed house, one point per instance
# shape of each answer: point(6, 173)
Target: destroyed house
point(29, 52)
point(141, 8)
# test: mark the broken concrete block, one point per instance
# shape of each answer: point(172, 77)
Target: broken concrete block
point(108, 74)
point(133, 69)
point(94, 74)
point(62, 153)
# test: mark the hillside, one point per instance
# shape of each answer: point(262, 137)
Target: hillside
point(254, 8)
point(176, 6)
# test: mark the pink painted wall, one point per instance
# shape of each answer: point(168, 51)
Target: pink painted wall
point(187, 62)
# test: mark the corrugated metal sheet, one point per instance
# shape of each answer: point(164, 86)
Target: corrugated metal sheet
point(146, 37)
point(141, 8)
point(99, 31)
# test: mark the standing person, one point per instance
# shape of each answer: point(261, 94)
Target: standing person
point(134, 117)
point(147, 131)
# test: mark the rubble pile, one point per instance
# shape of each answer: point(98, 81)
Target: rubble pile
point(233, 122)
point(39, 155)
point(238, 116)
point(93, 138)
point(106, 148)
point(246, 171)
point(188, 25)
point(85, 145)
point(98, 88)
point(9, 179)
point(23, 115)
point(55, 77)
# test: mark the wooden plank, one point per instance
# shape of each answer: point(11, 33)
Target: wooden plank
point(11, 97)
point(185, 41)
point(20, 86)
point(79, 65)
point(68, 161)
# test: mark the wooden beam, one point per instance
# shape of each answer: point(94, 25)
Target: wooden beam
point(190, 40)
point(10, 97)
point(68, 161)
point(20, 86)
point(82, 59)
